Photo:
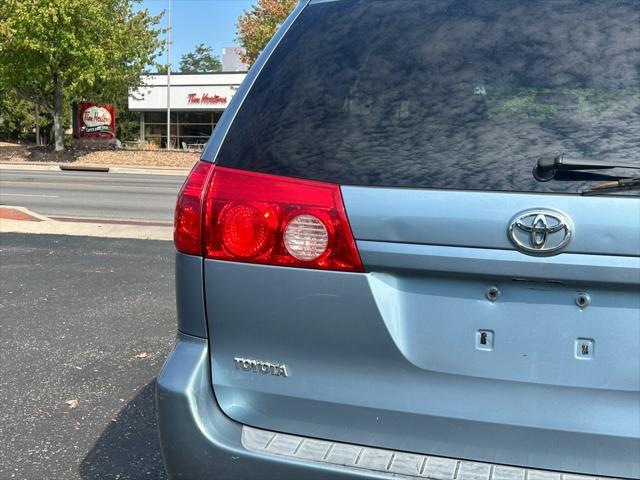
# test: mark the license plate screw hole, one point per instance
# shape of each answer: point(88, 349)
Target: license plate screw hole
point(583, 300)
point(492, 294)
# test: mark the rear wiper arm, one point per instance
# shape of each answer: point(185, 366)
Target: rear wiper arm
point(545, 169)
point(614, 186)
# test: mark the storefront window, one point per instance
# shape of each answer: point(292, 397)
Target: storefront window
point(188, 129)
point(197, 117)
point(159, 117)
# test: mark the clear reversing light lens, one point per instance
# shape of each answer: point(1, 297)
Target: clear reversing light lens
point(306, 238)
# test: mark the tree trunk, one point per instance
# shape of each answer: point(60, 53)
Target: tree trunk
point(57, 115)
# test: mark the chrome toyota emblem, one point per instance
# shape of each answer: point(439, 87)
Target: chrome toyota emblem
point(540, 232)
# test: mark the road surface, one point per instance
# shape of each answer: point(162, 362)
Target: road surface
point(88, 320)
point(92, 195)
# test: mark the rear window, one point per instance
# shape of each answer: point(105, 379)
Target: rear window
point(451, 94)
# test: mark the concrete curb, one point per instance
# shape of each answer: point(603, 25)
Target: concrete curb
point(150, 170)
point(81, 228)
point(48, 167)
point(29, 167)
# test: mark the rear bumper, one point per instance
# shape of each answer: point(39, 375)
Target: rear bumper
point(199, 441)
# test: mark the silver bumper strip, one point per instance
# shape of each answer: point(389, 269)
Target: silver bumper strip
point(395, 464)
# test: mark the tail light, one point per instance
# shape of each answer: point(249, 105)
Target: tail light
point(258, 218)
point(187, 221)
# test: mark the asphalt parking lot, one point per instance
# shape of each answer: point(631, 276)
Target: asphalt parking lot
point(85, 325)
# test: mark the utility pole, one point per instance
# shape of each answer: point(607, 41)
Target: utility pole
point(169, 79)
point(37, 121)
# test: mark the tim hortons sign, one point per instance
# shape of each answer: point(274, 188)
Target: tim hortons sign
point(96, 120)
point(205, 98)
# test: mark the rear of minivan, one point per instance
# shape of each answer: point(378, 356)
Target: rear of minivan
point(371, 282)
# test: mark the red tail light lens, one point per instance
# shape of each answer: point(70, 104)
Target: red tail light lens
point(246, 231)
point(187, 221)
point(259, 218)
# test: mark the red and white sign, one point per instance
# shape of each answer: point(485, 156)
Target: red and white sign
point(205, 98)
point(96, 120)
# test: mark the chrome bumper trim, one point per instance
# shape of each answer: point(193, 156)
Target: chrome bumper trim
point(393, 463)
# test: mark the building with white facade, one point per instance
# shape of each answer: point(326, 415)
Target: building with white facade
point(197, 102)
point(232, 60)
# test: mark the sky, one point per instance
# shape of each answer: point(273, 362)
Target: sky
point(212, 22)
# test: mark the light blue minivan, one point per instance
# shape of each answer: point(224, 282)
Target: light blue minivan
point(411, 249)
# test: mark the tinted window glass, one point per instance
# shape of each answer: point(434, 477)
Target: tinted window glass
point(455, 94)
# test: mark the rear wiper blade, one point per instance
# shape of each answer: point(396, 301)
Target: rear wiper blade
point(546, 169)
point(614, 186)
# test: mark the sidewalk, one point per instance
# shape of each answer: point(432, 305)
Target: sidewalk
point(55, 167)
point(15, 219)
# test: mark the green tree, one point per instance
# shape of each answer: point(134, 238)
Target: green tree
point(16, 115)
point(257, 26)
point(56, 51)
point(200, 60)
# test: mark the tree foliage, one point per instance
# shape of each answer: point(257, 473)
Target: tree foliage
point(200, 60)
point(56, 51)
point(16, 115)
point(257, 26)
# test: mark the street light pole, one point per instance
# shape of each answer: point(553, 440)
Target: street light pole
point(169, 79)
point(37, 119)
